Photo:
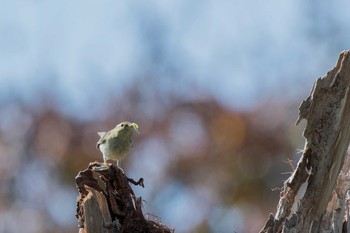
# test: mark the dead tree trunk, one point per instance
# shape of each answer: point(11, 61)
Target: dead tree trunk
point(107, 204)
point(313, 199)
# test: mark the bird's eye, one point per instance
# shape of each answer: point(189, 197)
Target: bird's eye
point(122, 125)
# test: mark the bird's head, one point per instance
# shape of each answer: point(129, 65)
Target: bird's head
point(127, 127)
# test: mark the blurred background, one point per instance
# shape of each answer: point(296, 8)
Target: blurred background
point(214, 86)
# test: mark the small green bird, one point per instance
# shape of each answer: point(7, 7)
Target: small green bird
point(116, 143)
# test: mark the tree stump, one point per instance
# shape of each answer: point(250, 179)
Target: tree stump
point(107, 204)
point(313, 199)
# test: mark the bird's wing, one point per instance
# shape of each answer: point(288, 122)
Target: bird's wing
point(102, 139)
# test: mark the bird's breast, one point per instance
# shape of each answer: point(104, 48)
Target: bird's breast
point(118, 147)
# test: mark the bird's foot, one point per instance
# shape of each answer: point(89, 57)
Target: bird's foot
point(104, 166)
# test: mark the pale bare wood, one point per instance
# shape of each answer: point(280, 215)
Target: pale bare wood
point(94, 216)
point(327, 134)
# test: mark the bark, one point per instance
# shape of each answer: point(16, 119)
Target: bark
point(310, 201)
point(107, 204)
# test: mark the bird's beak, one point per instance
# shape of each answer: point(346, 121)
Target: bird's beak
point(135, 126)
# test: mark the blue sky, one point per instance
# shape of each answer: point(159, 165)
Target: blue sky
point(239, 52)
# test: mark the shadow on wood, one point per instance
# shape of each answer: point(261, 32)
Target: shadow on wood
point(107, 203)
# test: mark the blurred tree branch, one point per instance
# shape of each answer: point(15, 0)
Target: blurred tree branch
point(307, 193)
point(107, 203)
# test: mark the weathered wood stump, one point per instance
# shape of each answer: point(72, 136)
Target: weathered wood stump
point(107, 203)
point(313, 197)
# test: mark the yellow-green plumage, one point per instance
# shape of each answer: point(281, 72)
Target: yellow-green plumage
point(116, 143)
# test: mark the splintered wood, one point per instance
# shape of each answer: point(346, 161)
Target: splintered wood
point(313, 197)
point(107, 204)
